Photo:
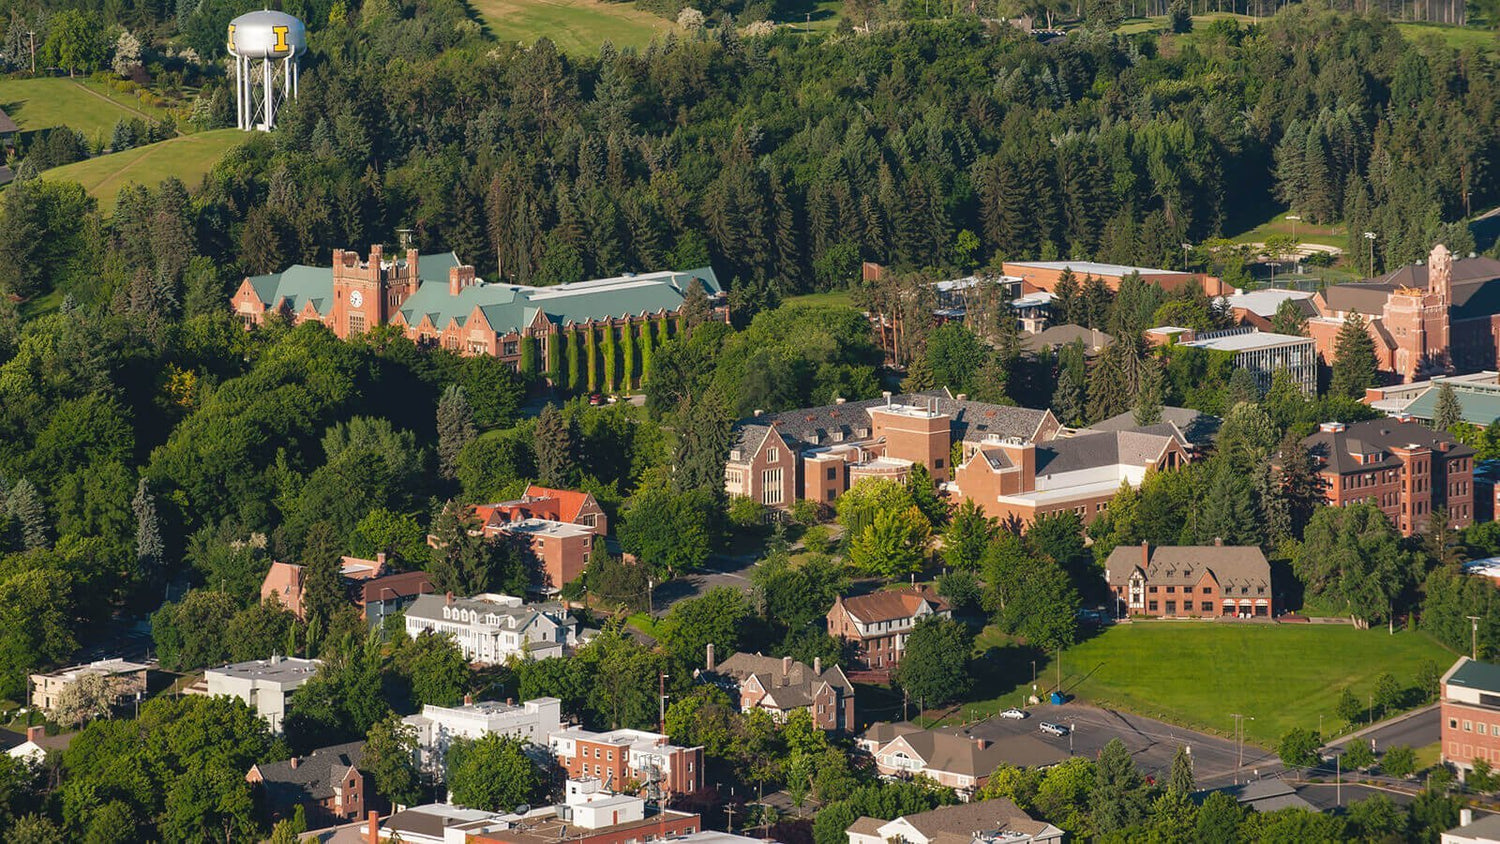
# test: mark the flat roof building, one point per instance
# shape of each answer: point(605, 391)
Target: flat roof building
point(1044, 275)
point(1263, 354)
point(126, 679)
point(263, 684)
point(533, 721)
point(1470, 703)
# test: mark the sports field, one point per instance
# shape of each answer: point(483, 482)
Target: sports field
point(187, 157)
point(575, 26)
point(42, 103)
point(1282, 675)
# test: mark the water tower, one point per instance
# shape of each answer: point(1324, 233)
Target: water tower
point(276, 39)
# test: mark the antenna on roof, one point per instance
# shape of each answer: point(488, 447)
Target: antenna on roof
point(404, 237)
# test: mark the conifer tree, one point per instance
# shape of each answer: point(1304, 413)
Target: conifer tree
point(1288, 319)
point(1119, 799)
point(455, 428)
point(1353, 358)
point(1065, 298)
point(696, 309)
point(1148, 396)
point(1096, 302)
point(150, 552)
point(26, 508)
point(1067, 399)
point(1108, 385)
point(1229, 512)
point(1180, 784)
point(554, 448)
point(1448, 412)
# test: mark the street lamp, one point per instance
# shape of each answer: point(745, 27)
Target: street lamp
point(1186, 248)
point(1273, 265)
point(1239, 731)
point(1370, 236)
point(1295, 220)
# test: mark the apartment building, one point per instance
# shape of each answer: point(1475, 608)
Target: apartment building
point(817, 453)
point(1401, 466)
point(877, 624)
point(125, 679)
point(1470, 707)
point(626, 760)
point(490, 629)
point(1191, 581)
point(327, 783)
point(533, 721)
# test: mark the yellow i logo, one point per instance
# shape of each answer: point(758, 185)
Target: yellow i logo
point(231, 38)
point(280, 38)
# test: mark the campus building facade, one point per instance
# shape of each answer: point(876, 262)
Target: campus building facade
point(1470, 693)
point(1190, 581)
point(1403, 467)
point(437, 300)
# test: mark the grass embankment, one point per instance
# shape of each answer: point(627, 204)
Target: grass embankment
point(56, 101)
point(1197, 673)
point(832, 297)
point(188, 158)
point(575, 26)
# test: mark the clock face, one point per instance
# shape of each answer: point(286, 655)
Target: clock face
point(356, 298)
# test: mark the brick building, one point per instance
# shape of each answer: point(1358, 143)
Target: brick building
point(877, 624)
point(819, 452)
point(1191, 581)
point(559, 526)
point(1404, 468)
point(377, 592)
point(327, 783)
point(629, 759)
point(1470, 693)
point(1429, 318)
point(1017, 481)
point(592, 813)
point(783, 685)
point(1044, 275)
point(438, 301)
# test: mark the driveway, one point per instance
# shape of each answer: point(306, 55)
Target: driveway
point(1151, 743)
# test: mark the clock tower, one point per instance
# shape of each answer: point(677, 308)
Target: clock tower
point(357, 289)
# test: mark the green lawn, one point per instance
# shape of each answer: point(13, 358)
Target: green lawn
point(1305, 232)
point(187, 157)
point(1159, 23)
point(1457, 37)
point(832, 297)
point(42, 103)
point(575, 26)
point(1197, 673)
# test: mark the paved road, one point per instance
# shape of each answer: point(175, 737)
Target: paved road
point(1417, 729)
point(1152, 743)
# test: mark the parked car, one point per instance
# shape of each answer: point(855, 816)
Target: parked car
point(595, 399)
point(1015, 714)
point(1052, 729)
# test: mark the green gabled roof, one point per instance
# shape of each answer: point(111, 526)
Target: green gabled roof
point(265, 286)
point(434, 268)
point(1476, 675)
point(1479, 405)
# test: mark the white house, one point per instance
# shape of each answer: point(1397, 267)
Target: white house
point(263, 684)
point(489, 629)
point(533, 721)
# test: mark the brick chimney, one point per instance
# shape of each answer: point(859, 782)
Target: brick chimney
point(1218, 541)
point(1145, 553)
point(786, 667)
point(818, 665)
point(35, 734)
point(372, 831)
point(294, 763)
point(450, 599)
point(468, 700)
point(708, 656)
point(981, 743)
point(380, 560)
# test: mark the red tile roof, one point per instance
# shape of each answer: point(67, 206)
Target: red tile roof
point(569, 502)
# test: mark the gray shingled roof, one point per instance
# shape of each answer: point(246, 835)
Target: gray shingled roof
point(995, 814)
point(1337, 448)
point(1097, 450)
point(314, 776)
point(1233, 566)
point(817, 426)
point(1056, 336)
point(795, 688)
point(1195, 426)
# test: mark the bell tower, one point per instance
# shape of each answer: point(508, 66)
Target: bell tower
point(358, 292)
point(1436, 313)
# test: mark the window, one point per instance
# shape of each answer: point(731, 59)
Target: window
point(511, 348)
point(1171, 608)
point(1187, 590)
point(938, 463)
point(773, 455)
point(770, 486)
point(356, 323)
point(1151, 605)
point(1480, 728)
point(1468, 726)
point(1171, 590)
point(1206, 606)
point(833, 473)
point(1151, 589)
point(1452, 723)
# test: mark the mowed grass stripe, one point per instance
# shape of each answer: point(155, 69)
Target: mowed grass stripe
point(187, 157)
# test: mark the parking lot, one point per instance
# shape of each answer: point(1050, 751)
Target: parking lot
point(1151, 743)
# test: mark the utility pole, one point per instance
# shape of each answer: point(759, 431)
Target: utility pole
point(1473, 637)
point(1370, 236)
point(33, 52)
point(1338, 779)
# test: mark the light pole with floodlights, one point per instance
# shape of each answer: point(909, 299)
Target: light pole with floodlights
point(1295, 220)
point(1370, 236)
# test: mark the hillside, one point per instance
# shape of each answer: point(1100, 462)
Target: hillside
point(188, 158)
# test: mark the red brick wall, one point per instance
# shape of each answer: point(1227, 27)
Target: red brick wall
point(1462, 746)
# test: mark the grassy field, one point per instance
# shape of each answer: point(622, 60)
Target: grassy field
point(1283, 675)
point(188, 158)
point(1457, 37)
point(1305, 232)
point(1159, 23)
point(832, 297)
point(42, 103)
point(575, 26)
